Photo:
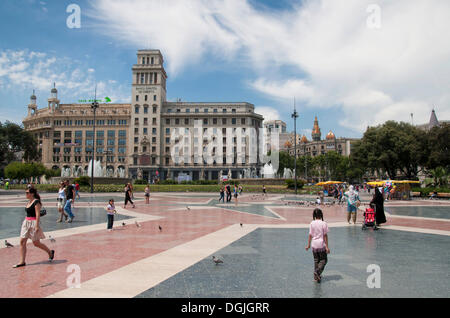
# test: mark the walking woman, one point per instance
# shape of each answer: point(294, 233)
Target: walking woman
point(235, 194)
point(61, 203)
point(352, 204)
point(378, 200)
point(31, 228)
point(222, 195)
point(147, 194)
point(128, 195)
point(318, 240)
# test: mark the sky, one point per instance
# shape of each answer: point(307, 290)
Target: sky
point(351, 63)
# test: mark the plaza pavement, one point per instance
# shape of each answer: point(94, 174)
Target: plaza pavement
point(265, 257)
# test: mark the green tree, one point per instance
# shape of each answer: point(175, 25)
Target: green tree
point(14, 139)
point(391, 147)
point(438, 151)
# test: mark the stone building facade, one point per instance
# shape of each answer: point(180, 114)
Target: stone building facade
point(146, 138)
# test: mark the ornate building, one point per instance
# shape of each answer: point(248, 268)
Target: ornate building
point(317, 146)
point(138, 140)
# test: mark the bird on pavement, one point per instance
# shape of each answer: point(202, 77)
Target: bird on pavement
point(217, 260)
point(241, 224)
point(137, 224)
point(160, 228)
point(123, 224)
point(188, 208)
point(7, 244)
point(52, 239)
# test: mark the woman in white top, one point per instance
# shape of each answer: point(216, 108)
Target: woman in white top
point(61, 198)
point(147, 194)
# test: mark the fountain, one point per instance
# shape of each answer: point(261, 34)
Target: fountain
point(288, 173)
point(98, 171)
point(268, 171)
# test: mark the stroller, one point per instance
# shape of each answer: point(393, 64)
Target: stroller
point(369, 218)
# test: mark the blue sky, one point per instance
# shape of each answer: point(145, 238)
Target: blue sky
point(264, 52)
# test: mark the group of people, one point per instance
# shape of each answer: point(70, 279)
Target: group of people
point(226, 190)
point(67, 193)
point(353, 203)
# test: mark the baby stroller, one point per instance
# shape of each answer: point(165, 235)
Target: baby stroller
point(369, 218)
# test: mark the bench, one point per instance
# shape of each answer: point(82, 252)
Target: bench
point(416, 194)
point(443, 195)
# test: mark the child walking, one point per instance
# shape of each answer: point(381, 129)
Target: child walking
point(318, 240)
point(111, 210)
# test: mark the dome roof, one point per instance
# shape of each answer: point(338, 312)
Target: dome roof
point(330, 135)
point(304, 139)
point(54, 90)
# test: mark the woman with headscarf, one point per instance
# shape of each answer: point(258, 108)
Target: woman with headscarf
point(352, 204)
point(378, 200)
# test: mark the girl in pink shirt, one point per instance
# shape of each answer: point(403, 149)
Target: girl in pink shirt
point(318, 240)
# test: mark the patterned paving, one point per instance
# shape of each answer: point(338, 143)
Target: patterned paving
point(264, 257)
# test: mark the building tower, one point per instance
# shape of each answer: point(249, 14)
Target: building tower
point(53, 101)
point(433, 120)
point(316, 134)
point(147, 98)
point(32, 107)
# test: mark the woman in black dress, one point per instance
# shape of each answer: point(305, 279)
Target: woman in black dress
point(128, 195)
point(378, 200)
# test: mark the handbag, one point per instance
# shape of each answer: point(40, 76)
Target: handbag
point(43, 212)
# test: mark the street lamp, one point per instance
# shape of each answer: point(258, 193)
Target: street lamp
point(94, 106)
point(295, 116)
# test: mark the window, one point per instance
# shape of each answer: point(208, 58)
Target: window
point(153, 139)
point(188, 110)
point(167, 131)
point(100, 133)
point(122, 142)
point(89, 133)
point(154, 98)
point(154, 109)
point(233, 121)
point(122, 150)
point(167, 140)
point(197, 110)
point(214, 121)
point(136, 131)
point(154, 131)
point(145, 131)
point(145, 110)
point(205, 121)
point(224, 121)
point(136, 109)
point(145, 97)
point(243, 121)
point(178, 110)
point(154, 121)
point(89, 142)
point(111, 142)
point(136, 140)
point(122, 121)
point(137, 98)
point(111, 133)
point(122, 133)
point(100, 142)
point(177, 121)
point(186, 121)
point(224, 110)
point(233, 110)
point(145, 121)
point(152, 60)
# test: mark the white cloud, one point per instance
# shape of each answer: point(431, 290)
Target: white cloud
point(25, 70)
point(335, 61)
point(269, 113)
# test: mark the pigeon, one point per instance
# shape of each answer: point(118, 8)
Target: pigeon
point(123, 223)
point(7, 244)
point(160, 228)
point(188, 208)
point(52, 239)
point(137, 224)
point(217, 260)
point(241, 224)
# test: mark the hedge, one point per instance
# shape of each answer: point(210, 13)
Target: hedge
point(424, 192)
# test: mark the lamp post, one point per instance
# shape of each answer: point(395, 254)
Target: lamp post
point(94, 106)
point(295, 116)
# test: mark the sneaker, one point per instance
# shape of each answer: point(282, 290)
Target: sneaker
point(69, 220)
point(316, 277)
point(52, 256)
point(59, 221)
